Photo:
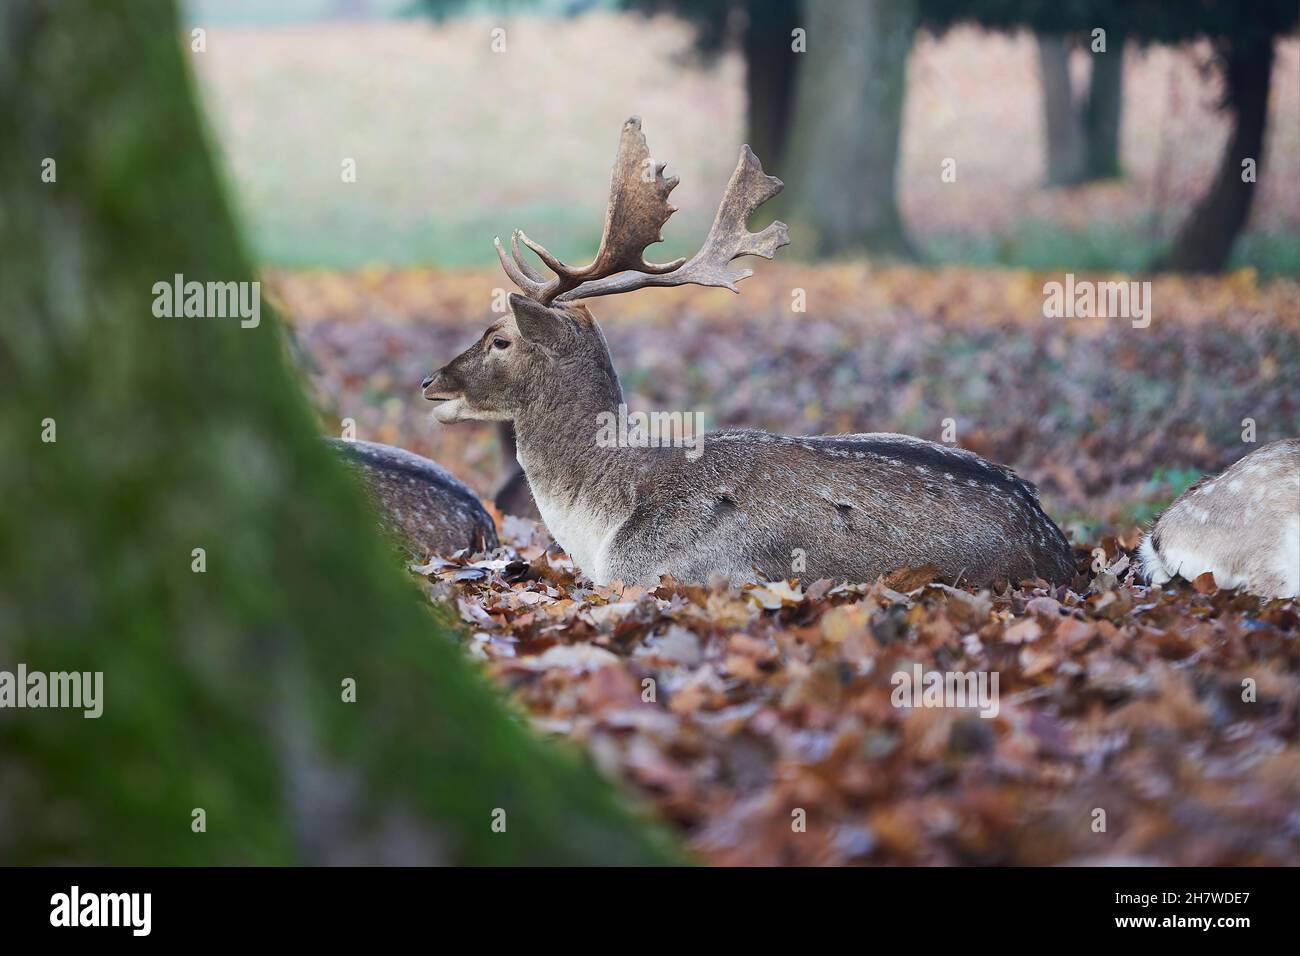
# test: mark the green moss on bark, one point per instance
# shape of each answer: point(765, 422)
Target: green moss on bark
point(221, 689)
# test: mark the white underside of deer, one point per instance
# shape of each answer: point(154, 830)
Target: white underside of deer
point(583, 531)
point(751, 505)
point(1242, 526)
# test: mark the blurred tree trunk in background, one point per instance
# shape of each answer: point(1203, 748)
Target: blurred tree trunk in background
point(843, 148)
point(1082, 138)
point(1205, 240)
point(1062, 125)
point(761, 30)
point(1242, 35)
point(223, 689)
point(1104, 110)
point(769, 77)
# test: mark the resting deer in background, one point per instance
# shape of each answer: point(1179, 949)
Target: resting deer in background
point(848, 507)
point(1242, 526)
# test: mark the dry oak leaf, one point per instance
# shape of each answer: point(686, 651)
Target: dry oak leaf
point(1023, 632)
point(909, 579)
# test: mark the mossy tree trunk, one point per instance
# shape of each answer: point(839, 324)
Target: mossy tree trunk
point(223, 689)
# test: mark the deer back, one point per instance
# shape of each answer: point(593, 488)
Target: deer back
point(1243, 526)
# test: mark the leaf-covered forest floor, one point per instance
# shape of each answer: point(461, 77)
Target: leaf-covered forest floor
point(1121, 730)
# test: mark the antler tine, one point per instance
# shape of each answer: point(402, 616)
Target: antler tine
point(529, 281)
point(728, 239)
point(552, 263)
point(524, 264)
point(634, 218)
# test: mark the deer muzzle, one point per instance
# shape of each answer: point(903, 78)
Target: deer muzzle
point(439, 387)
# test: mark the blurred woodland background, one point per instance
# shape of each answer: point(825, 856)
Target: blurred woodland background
point(456, 143)
point(943, 161)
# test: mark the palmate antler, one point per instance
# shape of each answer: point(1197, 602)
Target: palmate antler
point(638, 208)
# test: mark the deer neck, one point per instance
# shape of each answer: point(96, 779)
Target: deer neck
point(581, 487)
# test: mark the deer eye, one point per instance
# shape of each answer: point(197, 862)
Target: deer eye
point(500, 343)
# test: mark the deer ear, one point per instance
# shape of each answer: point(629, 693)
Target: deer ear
point(536, 322)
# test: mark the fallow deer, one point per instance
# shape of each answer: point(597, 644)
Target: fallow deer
point(848, 507)
point(423, 507)
point(1242, 526)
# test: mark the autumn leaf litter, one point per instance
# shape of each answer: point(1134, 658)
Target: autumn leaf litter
point(759, 720)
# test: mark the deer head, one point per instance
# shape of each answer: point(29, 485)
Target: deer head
point(549, 346)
